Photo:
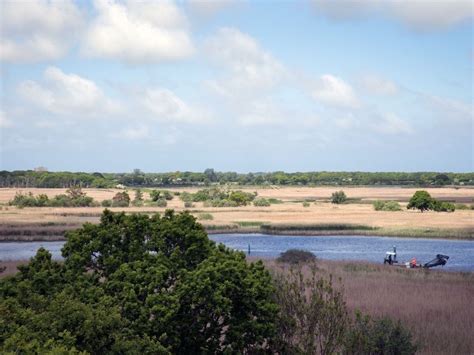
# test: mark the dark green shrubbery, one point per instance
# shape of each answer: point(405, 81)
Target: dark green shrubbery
point(156, 195)
point(387, 206)
point(261, 202)
point(216, 197)
point(378, 336)
point(74, 197)
point(338, 197)
point(121, 199)
point(423, 201)
point(296, 256)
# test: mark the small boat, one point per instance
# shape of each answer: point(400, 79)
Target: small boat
point(391, 259)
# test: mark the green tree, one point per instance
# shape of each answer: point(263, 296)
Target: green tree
point(338, 197)
point(139, 284)
point(121, 199)
point(421, 200)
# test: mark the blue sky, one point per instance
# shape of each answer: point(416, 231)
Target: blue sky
point(365, 85)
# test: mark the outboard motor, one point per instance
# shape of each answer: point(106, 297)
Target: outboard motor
point(439, 260)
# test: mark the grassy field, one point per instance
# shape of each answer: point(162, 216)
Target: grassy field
point(435, 305)
point(287, 216)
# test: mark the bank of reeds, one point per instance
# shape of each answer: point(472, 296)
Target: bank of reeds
point(435, 305)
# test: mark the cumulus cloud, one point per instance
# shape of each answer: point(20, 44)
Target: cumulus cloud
point(248, 66)
point(333, 91)
point(390, 123)
point(416, 14)
point(138, 32)
point(165, 106)
point(379, 86)
point(37, 30)
point(67, 94)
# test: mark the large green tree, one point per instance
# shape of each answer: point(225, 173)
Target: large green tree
point(421, 200)
point(138, 284)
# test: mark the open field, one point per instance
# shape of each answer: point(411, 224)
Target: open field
point(39, 223)
point(435, 305)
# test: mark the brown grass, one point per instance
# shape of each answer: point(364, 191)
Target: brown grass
point(288, 212)
point(435, 305)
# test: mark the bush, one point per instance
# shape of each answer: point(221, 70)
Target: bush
point(121, 199)
point(387, 206)
point(306, 204)
point(261, 202)
point(296, 256)
point(106, 203)
point(74, 198)
point(380, 336)
point(156, 195)
point(161, 202)
point(205, 217)
point(338, 197)
point(188, 204)
point(440, 206)
point(421, 200)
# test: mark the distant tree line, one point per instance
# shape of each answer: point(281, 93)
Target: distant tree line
point(137, 178)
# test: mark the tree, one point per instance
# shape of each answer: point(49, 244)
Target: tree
point(338, 197)
point(421, 200)
point(121, 199)
point(139, 284)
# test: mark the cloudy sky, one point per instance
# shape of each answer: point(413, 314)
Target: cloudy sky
point(110, 86)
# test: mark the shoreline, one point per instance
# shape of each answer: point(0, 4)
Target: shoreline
point(28, 235)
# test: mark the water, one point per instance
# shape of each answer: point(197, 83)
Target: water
point(371, 249)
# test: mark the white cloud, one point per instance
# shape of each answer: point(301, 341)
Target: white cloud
point(132, 133)
point(138, 32)
point(37, 30)
point(67, 94)
point(4, 120)
point(380, 86)
point(207, 8)
point(417, 14)
point(248, 65)
point(333, 91)
point(390, 123)
point(450, 109)
point(262, 112)
point(164, 105)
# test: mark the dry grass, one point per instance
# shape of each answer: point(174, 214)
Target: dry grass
point(288, 212)
point(435, 305)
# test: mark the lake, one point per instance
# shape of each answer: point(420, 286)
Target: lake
point(461, 252)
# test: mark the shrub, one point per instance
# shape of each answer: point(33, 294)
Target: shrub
point(440, 206)
point(188, 204)
point(156, 195)
point(205, 217)
point(306, 204)
point(387, 206)
point(275, 201)
point(380, 336)
point(261, 202)
point(338, 197)
point(161, 202)
point(106, 203)
point(313, 316)
point(296, 256)
point(121, 199)
point(462, 206)
point(421, 200)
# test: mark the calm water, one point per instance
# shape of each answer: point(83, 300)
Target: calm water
point(372, 249)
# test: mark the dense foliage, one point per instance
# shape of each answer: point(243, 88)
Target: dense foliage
point(74, 197)
point(338, 197)
point(296, 256)
point(137, 178)
point(216, 197)
point(138, 284)
point(387, 206)
point(423, 201)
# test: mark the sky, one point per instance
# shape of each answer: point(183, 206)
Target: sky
point(338, 85)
